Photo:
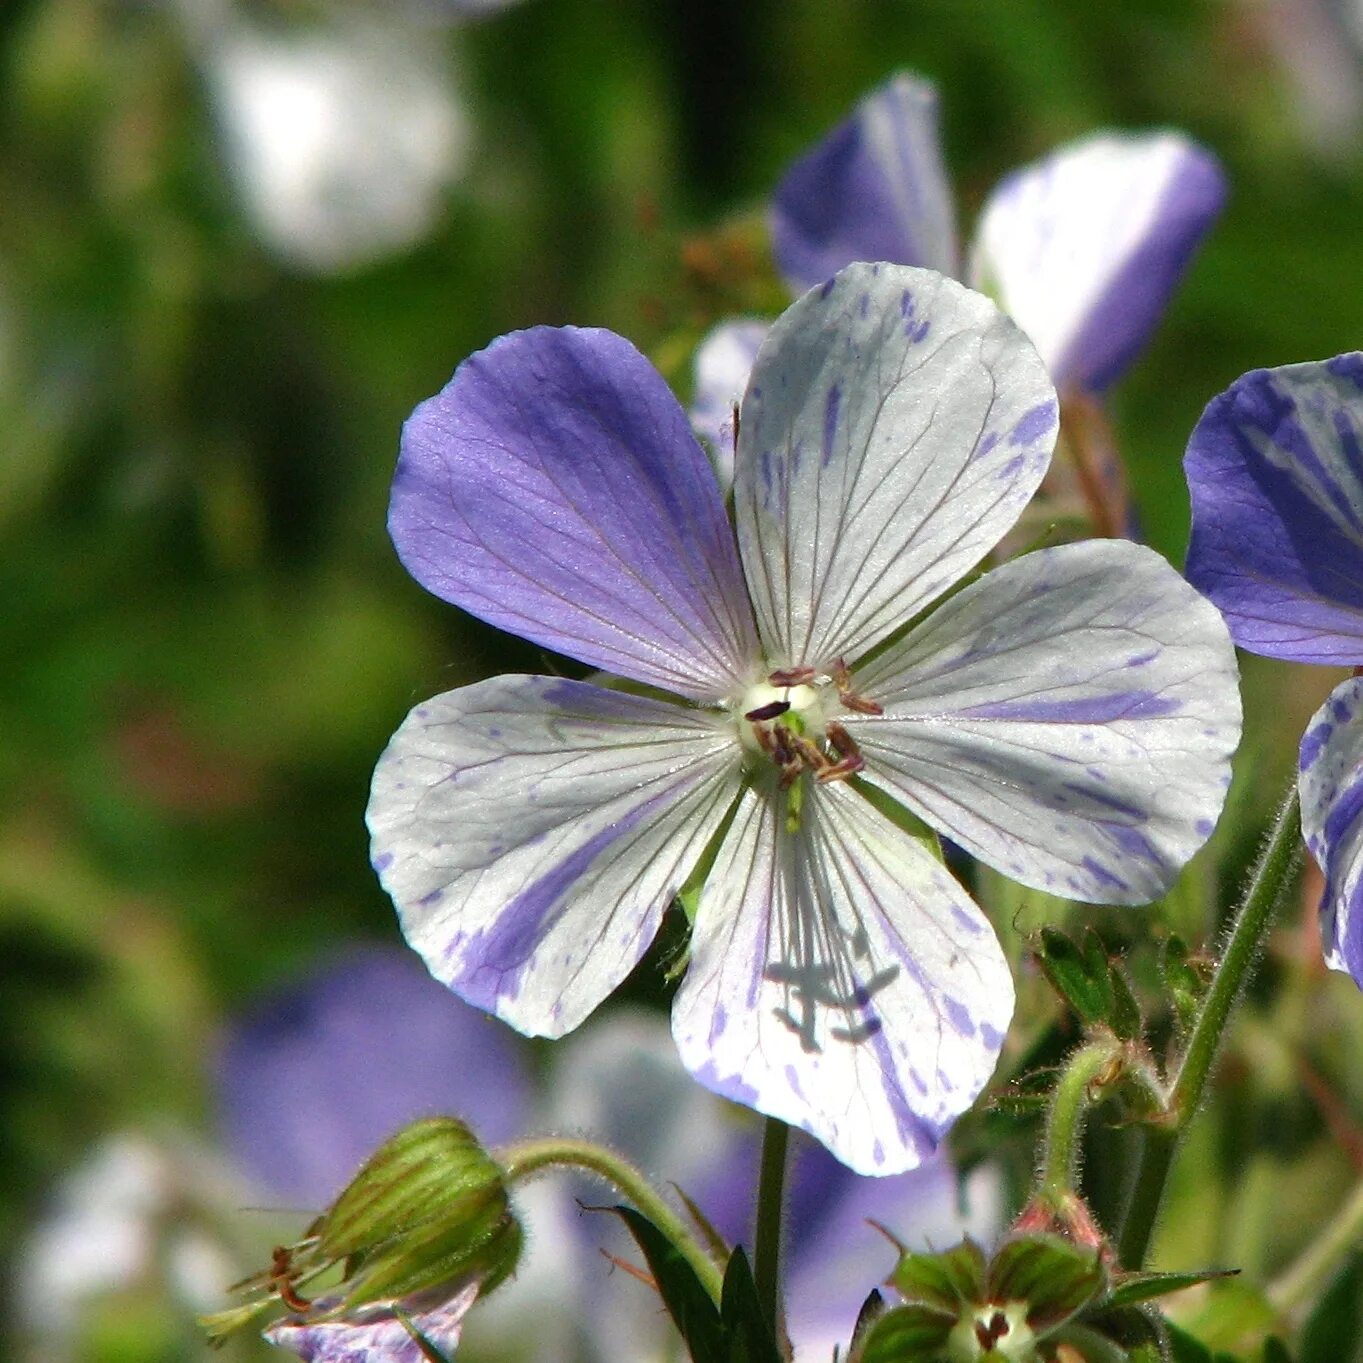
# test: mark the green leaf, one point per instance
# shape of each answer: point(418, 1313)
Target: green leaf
point(695, 1315)
point(1056, 1278)
point(944, 1281)
point(908, 1334)
point(746, 1333)
point(1081, 978)
point(1186, 1348)
point(1138, 1287)
point(1333, 1331)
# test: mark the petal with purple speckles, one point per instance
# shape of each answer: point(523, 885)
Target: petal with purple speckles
point(873, 189)
point(375, 1334)
point(312, 1079)
point(554, 488)
point(895, 426)
point(841, 980)
point(1084, 248)
point(532, 831)
point(1275, 471)
point(1331, 786)
point(1069, 719)
point(723, 362)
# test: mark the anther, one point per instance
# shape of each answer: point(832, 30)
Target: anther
point(768, 711)
point(792, 676)
point(850, 761)
point(842, 679)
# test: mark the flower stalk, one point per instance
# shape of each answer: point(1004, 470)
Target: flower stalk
point(1273, 876)
point(770, 1205)
point(525, 1158)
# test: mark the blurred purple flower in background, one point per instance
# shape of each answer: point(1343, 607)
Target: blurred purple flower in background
point(1067, 719)
point(1081, 249)
point(1275, 472)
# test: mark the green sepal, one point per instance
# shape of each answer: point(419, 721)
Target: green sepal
point(915, 1333)
point(903, 819)
point(1125, 1018)
point(945, 1281)
point(693, 1312)
point(1056, 1278)
point(1182, 981)
point(1132, 1288)
point(747, 1336)
point(1081, 976)
point(428, 1350)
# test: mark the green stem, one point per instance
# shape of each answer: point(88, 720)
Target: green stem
point(770, 1200)
point(1065, 1121)
point(524, 1158)
point(1303, 1281)
point(1272, 876)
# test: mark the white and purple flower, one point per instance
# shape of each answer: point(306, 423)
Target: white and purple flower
point(1067, 719)
point(1275, 470)
point(1082, 249)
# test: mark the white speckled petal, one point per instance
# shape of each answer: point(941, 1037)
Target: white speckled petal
point(894, 427)
point(532, 830)
point(1331, 786)
point(723, 362)
point(841, 980)
point(375, 1334)
point(1084, 248)
point(1069, 719)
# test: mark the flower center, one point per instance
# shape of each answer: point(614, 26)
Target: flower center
point(789, 720)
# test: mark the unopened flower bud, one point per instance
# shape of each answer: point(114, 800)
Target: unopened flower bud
point(427, 1215)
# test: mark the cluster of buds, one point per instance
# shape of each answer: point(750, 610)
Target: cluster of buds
point(418, 1234)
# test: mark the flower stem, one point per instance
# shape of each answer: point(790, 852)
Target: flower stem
point(524, 1158)
point(1065, 1122)
point(770, 1204)
point(1304, 1279)
point(1272, 876)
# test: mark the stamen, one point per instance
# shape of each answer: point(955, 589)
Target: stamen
point(792, 676)
point(768, 711)
point(842, 679)
point(850, 761)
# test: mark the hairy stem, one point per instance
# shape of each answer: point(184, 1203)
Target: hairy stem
point(1272, 876)
point(1065, 1121)
point(524, 1158)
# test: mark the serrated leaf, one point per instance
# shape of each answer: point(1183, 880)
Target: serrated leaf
point(1056, 1278)
point(1138, 1287)
point(944, 1281)
point(1333, 1331)
point(908, 1334)
point(747, 1336)
point(696, 1317)
point(1081, 981)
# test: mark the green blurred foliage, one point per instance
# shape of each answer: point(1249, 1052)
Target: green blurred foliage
point(205, 639)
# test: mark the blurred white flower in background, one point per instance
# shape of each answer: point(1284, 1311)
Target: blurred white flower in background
point(341, 134)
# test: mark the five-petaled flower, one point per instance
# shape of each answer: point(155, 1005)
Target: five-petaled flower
point(1275, 469)
point(1067, 718)
point(1082, 249)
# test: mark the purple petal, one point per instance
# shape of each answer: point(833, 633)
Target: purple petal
point(841, 980)
point(554, 488)
point(1276, 478)
point(1068, 719)
point(311, 1080)
point(532, 831)
point(1331, 786)
point(895, 426)
point(724, 359)
point(873, 189)
point(1084, 248)
point(375, 1334)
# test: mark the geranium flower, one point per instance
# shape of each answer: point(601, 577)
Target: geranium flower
point(378, 1334)
point(1275, 470)
point(1082, 248)
point(1067, 719)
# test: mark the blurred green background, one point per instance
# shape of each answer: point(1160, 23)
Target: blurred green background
point(205, 638)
